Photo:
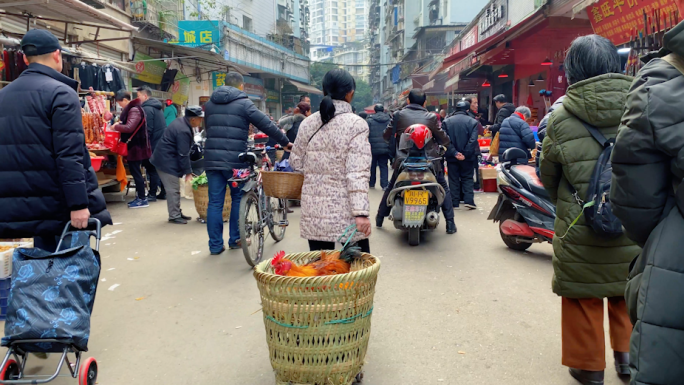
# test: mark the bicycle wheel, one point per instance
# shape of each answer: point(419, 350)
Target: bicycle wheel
point(277, 222)
point(251, 230)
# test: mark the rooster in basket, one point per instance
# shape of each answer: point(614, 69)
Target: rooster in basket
point(330, 263)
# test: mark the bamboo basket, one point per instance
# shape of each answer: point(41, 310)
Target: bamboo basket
point(318, 328)
point(282, 185)
point(201, 198)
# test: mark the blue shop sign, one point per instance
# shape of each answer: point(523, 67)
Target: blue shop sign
point(198, 33)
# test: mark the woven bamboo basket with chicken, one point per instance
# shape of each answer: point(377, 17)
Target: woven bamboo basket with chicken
point(317, 327)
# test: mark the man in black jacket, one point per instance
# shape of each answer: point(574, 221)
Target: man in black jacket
point(45, 174)
point(377, 123)
point(228, 115)
point(172, 159)
point(156, 124)
point(504, 110)
point(461, 154)
point(415, 113)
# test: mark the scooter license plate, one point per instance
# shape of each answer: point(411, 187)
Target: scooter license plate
point(417, 198)
point(414, 215)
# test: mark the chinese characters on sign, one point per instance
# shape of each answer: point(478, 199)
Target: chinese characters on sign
point(147, 69)
point(617, 20)
point(198, 33)
point(218, 79)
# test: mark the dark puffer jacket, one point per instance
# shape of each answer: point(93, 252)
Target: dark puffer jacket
point(172, 155)
point(648, 164)
point(45, 170)
point(377, 123)
point(462, 130)
point(504, 112)
point(516, 133)
point(408, 116)
point(156, 123)
point(228, 115)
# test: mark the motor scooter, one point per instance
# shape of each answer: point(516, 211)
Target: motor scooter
point(524, 209)
point(416, 196)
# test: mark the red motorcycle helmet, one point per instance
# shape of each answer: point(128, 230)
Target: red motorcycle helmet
point(419, 134)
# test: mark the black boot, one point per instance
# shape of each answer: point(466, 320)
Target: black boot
point(378, 221)
point(587, 377)
point(451, 227)
point(187, 218)
point(621, 363)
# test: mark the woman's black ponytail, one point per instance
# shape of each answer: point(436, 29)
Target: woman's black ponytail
point(337, 84)
point(327, 109)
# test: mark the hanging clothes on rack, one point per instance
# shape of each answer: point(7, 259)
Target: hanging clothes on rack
point(110, 79)
point(88, 73)
point(21, 65)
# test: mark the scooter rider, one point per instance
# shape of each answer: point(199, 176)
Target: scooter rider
point(415, 113)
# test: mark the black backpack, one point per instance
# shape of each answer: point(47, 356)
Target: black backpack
point(597, 208)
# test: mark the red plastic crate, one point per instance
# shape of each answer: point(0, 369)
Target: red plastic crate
point(489, 185)
point(97, 162)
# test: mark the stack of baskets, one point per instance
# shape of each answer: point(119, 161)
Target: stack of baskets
point(317, 328)
point(282, 185)
point(201, 198)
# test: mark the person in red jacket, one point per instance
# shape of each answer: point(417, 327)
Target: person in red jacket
point(133, 130)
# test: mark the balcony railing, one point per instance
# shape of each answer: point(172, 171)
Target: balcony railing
point(160, 15)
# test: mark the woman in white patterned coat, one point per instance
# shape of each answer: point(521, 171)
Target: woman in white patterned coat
point(333, 152)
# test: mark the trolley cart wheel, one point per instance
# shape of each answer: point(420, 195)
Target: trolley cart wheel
point(88, 373)
point(10, 371)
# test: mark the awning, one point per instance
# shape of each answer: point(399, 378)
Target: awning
point(305, 88)
point(483, 45)
point(64, 10)
point(188, 55)
point(451, 81)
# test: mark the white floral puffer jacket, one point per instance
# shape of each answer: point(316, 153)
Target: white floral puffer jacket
point(336, 166)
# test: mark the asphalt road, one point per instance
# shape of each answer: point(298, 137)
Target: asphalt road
point(458, 309)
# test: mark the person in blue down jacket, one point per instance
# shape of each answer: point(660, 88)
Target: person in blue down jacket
point(380, 148)
point(516, 133)
point(228, 115)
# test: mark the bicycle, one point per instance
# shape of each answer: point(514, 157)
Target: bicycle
point(257, 211)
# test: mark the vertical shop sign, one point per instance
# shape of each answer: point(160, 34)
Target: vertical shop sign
point(218, 79)
point(494, 18)
point(147, 69)
point(470, 38)
point(617, 20)
point(180, 89)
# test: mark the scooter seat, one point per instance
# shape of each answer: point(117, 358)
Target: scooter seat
point(527, 176)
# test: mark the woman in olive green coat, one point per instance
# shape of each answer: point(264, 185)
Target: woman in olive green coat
point(587, 266)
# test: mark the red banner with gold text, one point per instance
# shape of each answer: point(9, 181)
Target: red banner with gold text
point(617, 19)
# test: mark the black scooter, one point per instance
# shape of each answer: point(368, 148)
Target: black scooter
point(524, 208)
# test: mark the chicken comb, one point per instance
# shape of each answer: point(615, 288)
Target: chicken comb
point(278, 257)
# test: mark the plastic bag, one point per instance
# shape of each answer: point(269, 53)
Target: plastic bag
point(283, 166)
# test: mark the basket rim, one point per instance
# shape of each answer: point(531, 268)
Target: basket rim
point(261, 275)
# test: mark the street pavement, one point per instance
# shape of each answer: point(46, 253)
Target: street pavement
point(458, 309)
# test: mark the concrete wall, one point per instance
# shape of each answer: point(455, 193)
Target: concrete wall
point(518, 10)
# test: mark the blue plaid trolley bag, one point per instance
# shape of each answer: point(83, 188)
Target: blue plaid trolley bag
point(50, 303)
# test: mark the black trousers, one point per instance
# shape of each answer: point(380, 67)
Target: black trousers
point(364, 244)
point(380, 161)
point(46, 243)
point(477, 175)
point(447, 206)
point(461, 180)
point(136, 171)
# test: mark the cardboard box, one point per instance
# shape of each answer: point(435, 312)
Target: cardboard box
point(487, 173)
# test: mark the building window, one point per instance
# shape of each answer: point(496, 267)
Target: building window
point(246, 23)
point(121, 4)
